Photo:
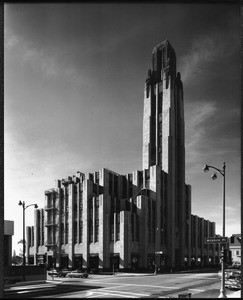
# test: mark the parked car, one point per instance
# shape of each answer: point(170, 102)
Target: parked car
point(53, 273)
point(232, 278)
point(230, 273)
point(63, 273)
point(77, 274)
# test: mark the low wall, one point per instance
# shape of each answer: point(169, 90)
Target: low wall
point(32, 273)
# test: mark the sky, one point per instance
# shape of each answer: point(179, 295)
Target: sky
point(74, 77)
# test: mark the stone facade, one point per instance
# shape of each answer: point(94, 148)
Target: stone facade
point(104, 220)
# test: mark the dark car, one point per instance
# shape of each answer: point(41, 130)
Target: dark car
point(77, 274)
point(63, 273)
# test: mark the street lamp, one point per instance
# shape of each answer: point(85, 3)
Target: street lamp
point(214, 176)
point(24, 208)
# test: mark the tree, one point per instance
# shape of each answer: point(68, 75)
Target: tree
point(16, 259)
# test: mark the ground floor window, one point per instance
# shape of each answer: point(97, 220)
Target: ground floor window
point(94, 262)
point(193, 261)
point(151, 260)
point(64, 262)
point(31, 260)
point(186, 261)
point(41, 259)
point(51, 262)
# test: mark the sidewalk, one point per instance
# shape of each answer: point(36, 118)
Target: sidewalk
point(236, 294)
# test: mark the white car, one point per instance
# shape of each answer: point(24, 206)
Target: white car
point(230, 273)
point(77, 274)
point(53, 273)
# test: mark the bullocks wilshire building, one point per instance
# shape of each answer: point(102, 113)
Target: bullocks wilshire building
point(104, 220)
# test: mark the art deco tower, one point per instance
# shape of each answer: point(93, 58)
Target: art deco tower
point(163, 135)
point(163, 123)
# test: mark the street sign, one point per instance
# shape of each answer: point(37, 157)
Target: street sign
point(215, 240)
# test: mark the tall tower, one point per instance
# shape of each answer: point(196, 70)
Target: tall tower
point(164, 138)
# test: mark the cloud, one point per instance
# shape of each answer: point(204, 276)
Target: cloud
point(51, 66)
point(210, 134)
point(207, 49)
point(196, 115)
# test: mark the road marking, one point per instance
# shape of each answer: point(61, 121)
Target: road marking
point(117, 293)
point(156, 286)
point(114, 293)
point(129, 284)
point(130, 293)
point(196, 290)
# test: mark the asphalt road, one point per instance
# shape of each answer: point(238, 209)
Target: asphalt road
point(198, 285)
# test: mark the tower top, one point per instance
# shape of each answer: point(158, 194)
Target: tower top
point(164, 44)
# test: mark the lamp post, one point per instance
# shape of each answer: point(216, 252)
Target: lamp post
point(24, 208)
point(214, 176)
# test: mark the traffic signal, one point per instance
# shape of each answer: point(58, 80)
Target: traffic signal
point(227, 256)
point(222, 254)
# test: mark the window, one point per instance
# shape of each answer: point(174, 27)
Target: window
point(66, 214)
point(147, 91)
point(118, 226)
point(112, 227)
point(62, 233)
point(124, 187)
point(67, 195)
point(91, 234)
point(117, 205)
point(153, 221)
point(127, 205)
point(66, 233)
point(75, 231)
point(81, 232)
point(75, 210)
point(96, 219)
point(96, 230)
point(115, 185)
point(110, 184)
point(137, 228)
point(149, 219)
point(132, 221)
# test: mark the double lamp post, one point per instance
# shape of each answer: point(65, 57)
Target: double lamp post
point(24, 208)
point(214, 176)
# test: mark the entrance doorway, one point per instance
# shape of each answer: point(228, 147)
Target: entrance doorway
point(115, 262)
point(134, 262)
point(78, 262)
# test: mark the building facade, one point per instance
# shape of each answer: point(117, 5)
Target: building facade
point(8, 233)
point(105, 220)
point(235, 248)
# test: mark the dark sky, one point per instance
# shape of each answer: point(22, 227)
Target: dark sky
point(74, 80)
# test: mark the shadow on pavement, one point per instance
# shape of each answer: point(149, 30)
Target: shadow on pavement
point(60, 289)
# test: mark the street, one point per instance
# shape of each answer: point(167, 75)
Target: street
point(121, 285)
